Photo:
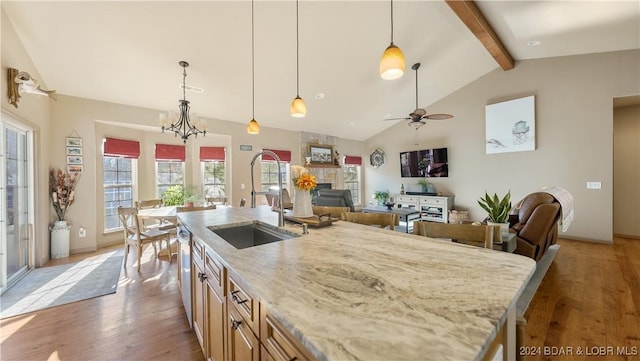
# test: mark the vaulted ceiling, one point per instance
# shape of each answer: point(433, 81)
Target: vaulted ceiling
point(128, 52)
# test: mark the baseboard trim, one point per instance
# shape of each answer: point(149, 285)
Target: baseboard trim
point(629, 236)
point(586, 239)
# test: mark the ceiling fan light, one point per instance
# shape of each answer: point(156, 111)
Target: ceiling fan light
point(392, 64)
point(253, 127)
point(416, 124)
point(298, 107)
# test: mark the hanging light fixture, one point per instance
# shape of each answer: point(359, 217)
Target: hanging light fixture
point(253, 127)
point(392, 62)
point(298, 108)
point(181, 124)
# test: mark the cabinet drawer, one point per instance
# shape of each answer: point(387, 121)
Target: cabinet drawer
point(244, 302)
point(434, 201)
point(216, 273)
point(406, 199)
point(197, 253)
point(280, 345)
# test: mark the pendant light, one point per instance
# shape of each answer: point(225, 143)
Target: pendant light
point(253, 127)
point(298, 108)
point(392, 62)
point(183, 124)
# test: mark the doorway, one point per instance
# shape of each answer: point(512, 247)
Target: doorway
point(626, 167)
point(16, 200)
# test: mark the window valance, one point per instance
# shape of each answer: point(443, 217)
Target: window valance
point(113, 147)
point(171, 152)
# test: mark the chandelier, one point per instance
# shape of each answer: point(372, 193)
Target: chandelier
point(181, 124)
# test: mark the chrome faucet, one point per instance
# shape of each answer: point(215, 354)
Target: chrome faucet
point(253, 189)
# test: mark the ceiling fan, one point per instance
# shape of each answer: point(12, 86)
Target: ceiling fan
point(416, 117)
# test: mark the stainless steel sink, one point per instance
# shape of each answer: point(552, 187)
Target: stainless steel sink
point(252, 234)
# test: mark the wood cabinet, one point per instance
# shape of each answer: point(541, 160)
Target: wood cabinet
point(228, 319)
point(198, 303)
point(278, 344)
point(243, 344)
point(216, 308)
point(209, 306)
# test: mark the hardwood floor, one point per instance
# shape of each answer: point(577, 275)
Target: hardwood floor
point(143, 320)
point(590, 298)
point(588, 305)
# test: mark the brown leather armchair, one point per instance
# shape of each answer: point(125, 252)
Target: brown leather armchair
point(534, 220)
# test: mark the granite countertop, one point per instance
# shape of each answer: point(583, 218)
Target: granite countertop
point(353, 292)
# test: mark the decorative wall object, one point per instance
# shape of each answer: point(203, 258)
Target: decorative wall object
point(321, 154)
point(377, 158)
point(510, 126)
point(74, 154)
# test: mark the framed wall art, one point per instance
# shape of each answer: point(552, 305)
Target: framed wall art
point(321, 154)
point(511, 126)
point(72, 159)
point(75, 168)
point(74, 142)
point(74, 150)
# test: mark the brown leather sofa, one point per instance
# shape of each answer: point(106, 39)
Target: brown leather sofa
point(534, 220)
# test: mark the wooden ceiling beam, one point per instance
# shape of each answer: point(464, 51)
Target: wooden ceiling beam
point(471, 16)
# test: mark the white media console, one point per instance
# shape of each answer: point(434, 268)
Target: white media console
point(432, 208)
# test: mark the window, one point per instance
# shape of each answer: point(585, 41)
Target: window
point(213, 173)
point(352, 166)
point(168, 173)
point(269, 175)
point(117, 177)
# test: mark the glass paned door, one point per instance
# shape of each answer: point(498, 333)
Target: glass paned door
point(15, 196)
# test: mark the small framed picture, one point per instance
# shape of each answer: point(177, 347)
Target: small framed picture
point(74, 142)
point(321, 154)
point(72, 159)
point(74, 168)
point(74, 150)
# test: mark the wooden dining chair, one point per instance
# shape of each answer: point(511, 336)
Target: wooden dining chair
point(148, 224)
point(150, 203)
point(217, 200)
point(334, 212)
point(272, 199)
point(135, 236)
point(378, 219)
point(476, 235)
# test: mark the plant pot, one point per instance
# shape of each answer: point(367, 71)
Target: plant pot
point(504, 228)
point(60, 239)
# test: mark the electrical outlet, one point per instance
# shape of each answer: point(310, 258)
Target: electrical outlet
point(241, 185)
point(82, 232)
point(594, 185)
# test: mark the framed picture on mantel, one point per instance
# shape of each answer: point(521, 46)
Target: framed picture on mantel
point(321, 154)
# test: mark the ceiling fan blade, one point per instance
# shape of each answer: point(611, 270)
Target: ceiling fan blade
point(403, 118)
point(438, 116)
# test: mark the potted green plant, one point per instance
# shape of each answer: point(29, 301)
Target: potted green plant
point(497, 210)
point(427, 187)
point(381, 197)
point(174, 196)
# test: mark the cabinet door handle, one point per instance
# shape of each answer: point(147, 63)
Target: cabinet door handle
point(235, 324)
point(237, 299)
point(202, 276)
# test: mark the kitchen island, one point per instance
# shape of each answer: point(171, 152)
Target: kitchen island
point(353, 292)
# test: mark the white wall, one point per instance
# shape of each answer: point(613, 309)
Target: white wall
point(574, 137)
point(34, 111)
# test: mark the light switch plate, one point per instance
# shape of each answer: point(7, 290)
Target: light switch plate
point(594, 185)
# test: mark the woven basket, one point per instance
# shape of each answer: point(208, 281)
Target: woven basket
point(458, 216)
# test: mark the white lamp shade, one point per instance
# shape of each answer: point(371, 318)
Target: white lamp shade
point(392, 63)
point(253, 127)
point(298, 108)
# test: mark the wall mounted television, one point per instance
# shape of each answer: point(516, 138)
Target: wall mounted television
point(424, 163)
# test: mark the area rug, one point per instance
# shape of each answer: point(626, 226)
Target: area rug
point(58, 285)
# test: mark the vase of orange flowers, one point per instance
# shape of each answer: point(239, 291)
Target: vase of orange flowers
point(61, 191)
point(303, 182)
